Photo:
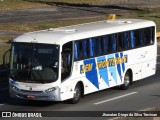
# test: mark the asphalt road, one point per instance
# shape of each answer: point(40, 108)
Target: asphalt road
point(142, 95)
point(62, 12)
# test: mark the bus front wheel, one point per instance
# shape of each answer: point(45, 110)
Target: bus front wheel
point(76, 95)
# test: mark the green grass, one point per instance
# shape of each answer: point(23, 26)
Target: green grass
point(28, 27)
point(34, 26)
point(24, 4)
point(3, 48)
point(18, 4)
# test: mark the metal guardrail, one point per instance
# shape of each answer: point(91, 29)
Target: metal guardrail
point(158, 34)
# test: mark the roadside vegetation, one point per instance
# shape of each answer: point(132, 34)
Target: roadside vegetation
point(19, 4)
point(25, 4)
point(77, 2)
point(34, 26)
point(149, 14)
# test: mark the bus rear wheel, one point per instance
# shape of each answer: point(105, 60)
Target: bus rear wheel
point(127, 81)
point(76, 95)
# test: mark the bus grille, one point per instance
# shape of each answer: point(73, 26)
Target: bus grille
point(29, 91)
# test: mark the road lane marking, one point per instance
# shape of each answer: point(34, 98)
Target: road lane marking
point(116, 118)
point(149, 109)
point(115, 98)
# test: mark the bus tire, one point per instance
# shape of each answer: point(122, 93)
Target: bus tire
point(127, 81)
point(76, 95)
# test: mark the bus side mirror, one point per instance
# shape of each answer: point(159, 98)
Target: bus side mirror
point(6, 56)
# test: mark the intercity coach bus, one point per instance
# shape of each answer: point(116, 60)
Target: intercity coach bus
point(66, 63)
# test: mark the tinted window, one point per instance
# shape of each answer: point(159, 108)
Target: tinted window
point(98, 49)
point(108, 44)
point(105, 42)
point(34, 62)
point(85, 49)
point(81, 49)
point(112, 43)
point(138, 41)
point(148, 36)
point(78, 50)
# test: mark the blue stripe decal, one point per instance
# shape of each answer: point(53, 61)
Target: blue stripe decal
point(112, 69)
point(123, 66)
point(119, 67)
point(91, 73)
point(103, 72)
point(112, 65)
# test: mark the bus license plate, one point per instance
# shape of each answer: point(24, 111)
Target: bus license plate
point(31, 96)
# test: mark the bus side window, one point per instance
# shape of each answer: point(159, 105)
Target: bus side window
point(152, 34)
point(126, 39)
point(148, 36)
point(132, 35)
point(112, 43)
point(78, 51)
point(141, 37)
point(91, 47)
point(137, 36)
point(85, 49)
point(98, 49)
point(120, 43)
point(105, 42)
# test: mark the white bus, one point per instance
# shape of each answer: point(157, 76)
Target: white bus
point(69, 62)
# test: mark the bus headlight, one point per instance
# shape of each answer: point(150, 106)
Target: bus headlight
point(15, 88)
point(50, 89)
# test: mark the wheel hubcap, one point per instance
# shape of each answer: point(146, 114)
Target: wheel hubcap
point(126, 81)
point(76, 94)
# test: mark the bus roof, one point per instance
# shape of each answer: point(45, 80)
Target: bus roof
point(76, 32)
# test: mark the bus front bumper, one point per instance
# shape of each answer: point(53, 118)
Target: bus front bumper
point(34, 95)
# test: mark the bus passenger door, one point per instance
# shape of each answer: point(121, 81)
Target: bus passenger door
point(66, 60)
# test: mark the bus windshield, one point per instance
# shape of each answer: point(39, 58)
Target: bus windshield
point(34, 62)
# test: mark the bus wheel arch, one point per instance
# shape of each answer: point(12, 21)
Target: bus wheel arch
point(131, 75)
point(82, 88)
point(78, 92)
point(128, 79)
